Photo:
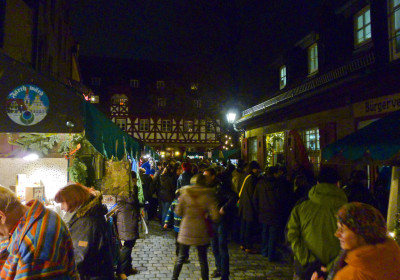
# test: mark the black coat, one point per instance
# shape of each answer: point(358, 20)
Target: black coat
point(92, 241)
point(167, 187)
point(246, 207)
point(269, 202)
point(128, 216)
point(225, 198)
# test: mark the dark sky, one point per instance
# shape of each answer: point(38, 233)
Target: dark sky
point(237, 36)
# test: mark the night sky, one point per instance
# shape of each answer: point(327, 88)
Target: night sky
point(236, 36)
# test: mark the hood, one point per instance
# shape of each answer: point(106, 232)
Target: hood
point(327, 194)
point(94, 205)
point(376, 259)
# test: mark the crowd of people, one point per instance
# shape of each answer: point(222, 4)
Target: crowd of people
point(333, 231)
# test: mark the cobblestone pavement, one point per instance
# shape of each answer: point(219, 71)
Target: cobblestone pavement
point(154, 257)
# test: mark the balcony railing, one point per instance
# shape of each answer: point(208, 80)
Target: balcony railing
point(314, 83)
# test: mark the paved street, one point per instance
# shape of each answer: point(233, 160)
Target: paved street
point(154, 257)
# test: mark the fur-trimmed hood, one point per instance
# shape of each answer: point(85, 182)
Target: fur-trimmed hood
point(93, 205)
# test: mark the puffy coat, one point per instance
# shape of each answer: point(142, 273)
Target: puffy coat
point(92, 241)
point(194, 204)
point(128, 216)
point(372, 262)
point(246, 207)
point(312, 225)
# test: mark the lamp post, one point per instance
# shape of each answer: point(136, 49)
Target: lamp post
point(231, 116)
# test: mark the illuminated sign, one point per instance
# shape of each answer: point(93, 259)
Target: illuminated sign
point(27, 105)
point(385, 104)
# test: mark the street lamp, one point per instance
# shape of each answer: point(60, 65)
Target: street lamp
point(231, 117)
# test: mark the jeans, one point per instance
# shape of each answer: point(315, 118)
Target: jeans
point(125, 257)
point(269, 241)
point(183, 252)
point(164, 210)
point(220, 248)
point(245, 234)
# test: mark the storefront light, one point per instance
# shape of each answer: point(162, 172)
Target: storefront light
point(31, 157)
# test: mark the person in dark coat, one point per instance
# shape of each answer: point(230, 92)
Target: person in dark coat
point(226, 200)
point(153, 192)
point(357, 190)
point(167, 190)
point(184, 177)
point(89, 231)
point(269, 202)
point(127, 216)
point(246, 208)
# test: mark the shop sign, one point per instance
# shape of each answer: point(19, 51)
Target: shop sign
point(27, 105)
point(385, 104)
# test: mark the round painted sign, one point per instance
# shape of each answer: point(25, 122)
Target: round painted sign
point(27, 105)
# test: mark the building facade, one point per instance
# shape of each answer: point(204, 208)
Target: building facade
point(336, 79)
point(165, 105)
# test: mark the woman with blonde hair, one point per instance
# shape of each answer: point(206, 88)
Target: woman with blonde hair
point(89, 231)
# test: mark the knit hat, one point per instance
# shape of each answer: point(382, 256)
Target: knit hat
point(254, 165)
point(186, 166)
point(364, 220)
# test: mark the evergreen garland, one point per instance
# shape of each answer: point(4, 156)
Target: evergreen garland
point(36, 142)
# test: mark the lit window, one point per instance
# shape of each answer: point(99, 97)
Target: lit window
point(166, 125)
point(134, 83)
point(121, 123)
point(161, 102)
point(96, 81)
point(188, 126)
point(313, 59)
point(120, 101)
point(210, 127)
point(394, 22)
point(282, 77)
point(197, 103)
point(94, 99)
point(144, 125)
point(310, 139)
point(160, 84)
point(362, 26)
point(194, 86)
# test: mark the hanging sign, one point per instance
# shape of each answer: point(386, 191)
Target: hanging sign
point(27, 105)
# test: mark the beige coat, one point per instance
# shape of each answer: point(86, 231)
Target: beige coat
point(194, 204)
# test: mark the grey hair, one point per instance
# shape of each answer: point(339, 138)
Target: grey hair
point(8, 199)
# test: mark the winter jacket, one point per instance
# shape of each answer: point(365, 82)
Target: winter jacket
point(246, 207)
point(269, 202)
point(372, 262)
point(167, 187)
point(92, 242)
point(358, 193)
point(173, 217)
point(312, 225)
point(194, 204)
point(128, 216)
point(225, 198)
point(39, 248)
point(238, 176)
point(184, 179)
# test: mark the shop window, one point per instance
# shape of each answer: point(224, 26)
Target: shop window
point(121, 123)
point(274, 148)
point(252, 144)
point(188, 126)
point(144, 125)
point(311, 142)
point(134, 83)
point(394, 28)
point(161, 102)
point(362, 27)
point(313, 59)
point(166, 126)
point(282, 77)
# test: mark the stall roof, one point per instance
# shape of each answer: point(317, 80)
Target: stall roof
point(36, 103)
point(380, 140)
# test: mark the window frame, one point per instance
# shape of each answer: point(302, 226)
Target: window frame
point(188, 126)
point(166, 126)
point(197, 103)
point(160, 84)
point(366, 40)
point(134, 83)
point(144, 124)
point(210, 128)
point(161, 102)
point(312, 71)
point(282, 77)
point(119, 124)
point(392, 29)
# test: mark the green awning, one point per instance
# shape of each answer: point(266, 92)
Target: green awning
point(107, 138)
point(226, 154)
